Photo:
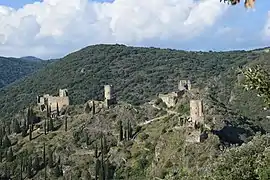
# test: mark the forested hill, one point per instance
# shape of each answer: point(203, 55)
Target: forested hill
point(137, 73)
point(12, 69)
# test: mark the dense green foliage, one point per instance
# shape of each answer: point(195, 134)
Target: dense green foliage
point(110, 144)
point(12, 69)
point(138, 74)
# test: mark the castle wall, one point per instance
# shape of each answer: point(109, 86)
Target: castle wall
point(184, 85)
point(169, 99)
point(62, 101)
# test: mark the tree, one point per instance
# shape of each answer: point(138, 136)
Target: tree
point(16, 126)
point(29, 168)
point(57, 109)
point(10, 155)
point(256, 78)
point(6, 142)
point(50, 158)
point(36, 163)
point(87, 108)
point(248, 3)
point(121, 131)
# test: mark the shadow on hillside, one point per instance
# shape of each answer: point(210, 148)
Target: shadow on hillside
point(238, 133)
point(237, 128)
point(231, 135)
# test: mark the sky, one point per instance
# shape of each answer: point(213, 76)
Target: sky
point(54, 28)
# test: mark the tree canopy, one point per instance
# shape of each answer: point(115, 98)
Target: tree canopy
point(248, 3)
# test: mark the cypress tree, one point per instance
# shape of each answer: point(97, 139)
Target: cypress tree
point(50, 158)
point(65, 123)
point(44, 161)
point(102, 159)
point(125, 134)
point(121, 130)
point(36, 163)
point(6, 142)
point(45, 126)
point(93, 107)
point(1, 136)
point(30, 132)
point(47, 110)
point(29, 167)
point(97, 169)
point(128, 133)
point(57, 109)
point(87, 108)
point(50, 125)
point(21, 168)
point(10, 155)
point(16, 126)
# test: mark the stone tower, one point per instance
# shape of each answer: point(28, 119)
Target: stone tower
point(196, 112)
point(184, 85)
point(63, 92)
point(109, 95)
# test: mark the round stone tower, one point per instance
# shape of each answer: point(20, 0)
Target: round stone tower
point(108, 92)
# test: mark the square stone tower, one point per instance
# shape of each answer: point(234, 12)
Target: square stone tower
point(196, 112)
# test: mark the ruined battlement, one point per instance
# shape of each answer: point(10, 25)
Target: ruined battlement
point(52, 101)
point(170, 99)
point(184, 85)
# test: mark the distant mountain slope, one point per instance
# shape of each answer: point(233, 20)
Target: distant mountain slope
point(31, 58)
point(12, 69)
point(138, 74)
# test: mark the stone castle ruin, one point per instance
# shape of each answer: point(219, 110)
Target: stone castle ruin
point(170, 99)
point(196, 112)
point(184, 85)
point(196, 121)
point(109, 96)
point(53, 101)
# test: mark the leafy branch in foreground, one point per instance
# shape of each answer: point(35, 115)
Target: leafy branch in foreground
point(256, 78)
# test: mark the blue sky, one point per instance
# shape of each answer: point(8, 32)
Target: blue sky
point(206, 26)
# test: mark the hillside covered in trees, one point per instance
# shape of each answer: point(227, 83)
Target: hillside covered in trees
point(12, 69)
point(117, 143)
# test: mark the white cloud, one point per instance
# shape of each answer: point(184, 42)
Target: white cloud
point(56, 27)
